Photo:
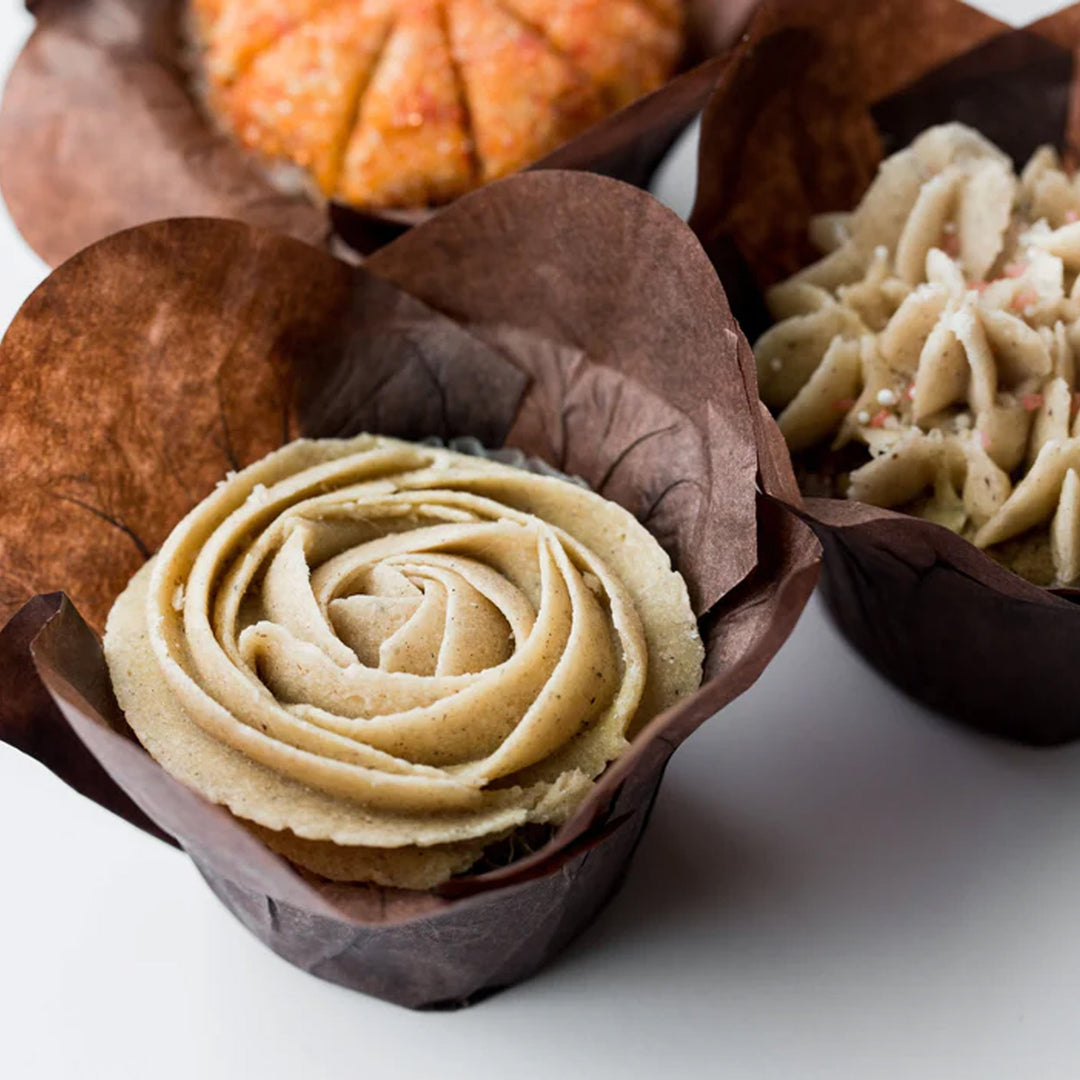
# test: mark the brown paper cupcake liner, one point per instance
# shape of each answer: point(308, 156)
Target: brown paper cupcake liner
point(567, 316)
point(112, 74)
point(817, 94)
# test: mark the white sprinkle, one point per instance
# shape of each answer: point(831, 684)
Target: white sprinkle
point(178, 598)
point(886, 398)
point(862, 416)
point(776, 364)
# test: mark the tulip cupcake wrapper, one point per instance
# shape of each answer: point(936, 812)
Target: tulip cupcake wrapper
point(180, 350)
point(858, 82)
point(116, 73)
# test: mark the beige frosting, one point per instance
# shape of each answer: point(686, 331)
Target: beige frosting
point(940, 330)
point(385, 656)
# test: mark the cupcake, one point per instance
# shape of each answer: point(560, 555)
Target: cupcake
point(407, 708)
point(386, 658)
point(936, 333)
point(339, 122)
point(411, 103)
point(894, 226)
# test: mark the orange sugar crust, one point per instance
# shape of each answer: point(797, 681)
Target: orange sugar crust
point(406, 103)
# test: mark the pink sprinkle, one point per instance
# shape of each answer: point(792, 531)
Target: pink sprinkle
point(1071, 216)
point(1015, 269)
point(1032, 402)
point(879, 419)
point(909, 393)
point(844, 405)
point(980, 286)
point(984, 437)
point(1023, 299)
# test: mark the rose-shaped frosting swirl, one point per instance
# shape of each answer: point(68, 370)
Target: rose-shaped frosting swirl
point(368, 644)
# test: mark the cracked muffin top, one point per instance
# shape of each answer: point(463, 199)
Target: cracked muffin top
point(411, 103)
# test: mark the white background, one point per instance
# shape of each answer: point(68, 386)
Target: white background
point(835, 884)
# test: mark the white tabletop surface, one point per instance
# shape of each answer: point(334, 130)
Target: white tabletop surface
point(835, 884)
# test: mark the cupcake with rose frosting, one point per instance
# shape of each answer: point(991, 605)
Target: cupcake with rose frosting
point(385, 658)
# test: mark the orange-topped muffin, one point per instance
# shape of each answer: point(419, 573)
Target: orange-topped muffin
point(410, 103)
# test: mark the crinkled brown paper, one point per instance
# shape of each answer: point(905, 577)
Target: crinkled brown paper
point(99, 131)
point(818, 93)
point(562, 313)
